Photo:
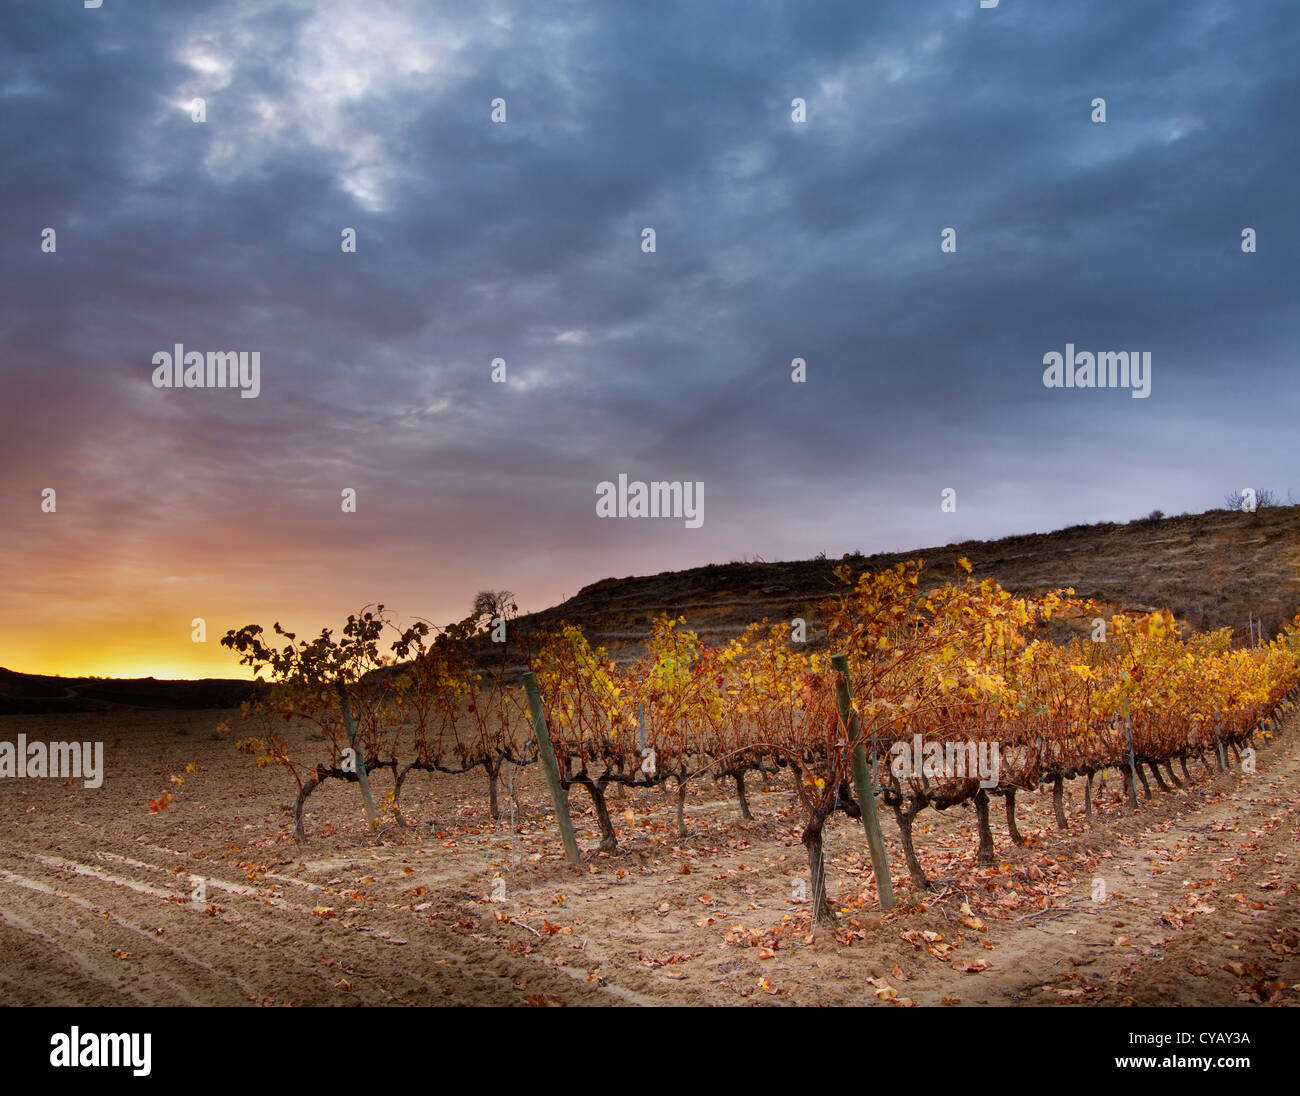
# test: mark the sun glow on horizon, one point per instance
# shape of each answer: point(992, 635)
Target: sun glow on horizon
point(86, 666)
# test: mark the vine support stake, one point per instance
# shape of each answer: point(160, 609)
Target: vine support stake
point(865, 783)
point(1132, 763)
point(547, 754)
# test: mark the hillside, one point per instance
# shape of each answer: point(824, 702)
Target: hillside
point(1212, 570)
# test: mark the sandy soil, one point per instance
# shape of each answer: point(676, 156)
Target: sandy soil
point(1200, 893)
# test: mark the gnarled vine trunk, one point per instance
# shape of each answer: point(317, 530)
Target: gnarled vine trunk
point(596, 789)
point(1058, 803)
point(904, 816)
point(1010, 796)
point(985, 855)
point(812, 840)
point(740, 794)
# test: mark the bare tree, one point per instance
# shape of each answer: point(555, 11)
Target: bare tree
point(496, 603)
point(1238, 500)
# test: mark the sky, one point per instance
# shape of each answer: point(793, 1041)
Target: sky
point(798, 162)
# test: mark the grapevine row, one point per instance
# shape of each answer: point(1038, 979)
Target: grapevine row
point(961, 671)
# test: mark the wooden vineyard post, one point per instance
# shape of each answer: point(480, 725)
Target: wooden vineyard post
point(547, 754)
point(1218, 741)
point(864, 779)
point(1132, 764)
point(363, 778)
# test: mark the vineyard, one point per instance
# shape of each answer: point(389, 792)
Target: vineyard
point(953, 696)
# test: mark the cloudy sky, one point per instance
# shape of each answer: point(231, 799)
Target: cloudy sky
point(775, 239)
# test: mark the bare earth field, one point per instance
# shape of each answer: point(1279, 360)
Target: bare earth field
point(1201, 906)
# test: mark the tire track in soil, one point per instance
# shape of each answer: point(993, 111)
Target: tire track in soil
point(100, 933)
point(434, 964)
point(71, 978)
point(1202, 846)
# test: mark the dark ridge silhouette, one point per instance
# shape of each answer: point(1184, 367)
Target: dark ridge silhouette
point(1212, 570)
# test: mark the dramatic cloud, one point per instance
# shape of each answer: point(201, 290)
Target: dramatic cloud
point(775, 240)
